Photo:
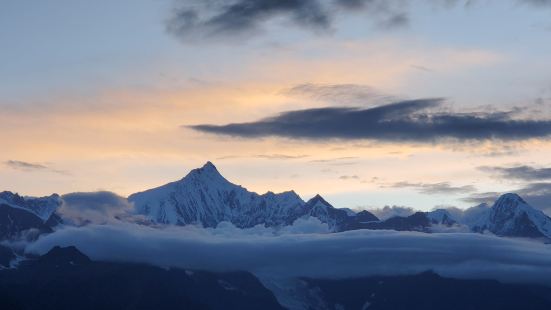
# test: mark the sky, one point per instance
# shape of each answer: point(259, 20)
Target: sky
point(369, 103)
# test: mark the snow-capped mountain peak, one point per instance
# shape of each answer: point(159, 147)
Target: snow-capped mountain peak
point(509, 202)
point(318, 202)
point(208, 173)
point(205, 197)
point(208, 170)
point(513, 216)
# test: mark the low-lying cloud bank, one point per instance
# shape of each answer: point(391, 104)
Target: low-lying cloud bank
point(294, 253)
point(93, 207)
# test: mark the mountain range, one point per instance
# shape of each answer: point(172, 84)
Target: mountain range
point(65, 278)
point(204, 197)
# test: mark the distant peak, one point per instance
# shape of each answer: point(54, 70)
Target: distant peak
point(291, 193)
point(317, 199)
point(508, 202)
point(208, 168)
point(207, 172)
point(509, 197)
point(209, 165)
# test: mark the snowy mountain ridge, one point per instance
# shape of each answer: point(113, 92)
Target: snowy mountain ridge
point(205, 197)
point(43, 207)
point(512, 216)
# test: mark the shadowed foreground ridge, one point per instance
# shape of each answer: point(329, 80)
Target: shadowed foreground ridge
point(64, 278)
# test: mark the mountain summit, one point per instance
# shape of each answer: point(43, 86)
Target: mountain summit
point(512, 216)
point(205, 197)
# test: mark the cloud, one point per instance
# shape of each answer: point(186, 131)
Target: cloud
point(537, 2)
point(93, 207)
point(30, 167)
point(216, 19)
point(535, 190)
point(335, 93)
point(403, 121)
point(484, 197)
point(349, 177)
point(537, 195)
point(310, 255)
point(524, 172)
point(26, 166)
point(201, 19)
point(274, 156)
point(333, 160)
point(435, 188)
point(280, 156)
point(421, 68)
point(397, 20)
point(391, 211)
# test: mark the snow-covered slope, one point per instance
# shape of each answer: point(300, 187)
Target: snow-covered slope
point(476, 218)
point(43, 207)
point(440, 217)
point(326, 213)
point(512, 216)
point(205, 197)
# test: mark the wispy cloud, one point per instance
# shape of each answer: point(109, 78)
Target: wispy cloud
point(524, 172)
point(421, 68)
point(280, 156)
point(537, 2)
point(434, 188)
point(349, 177)
point(538, 194)
point(482, 197)
point(274, 156)
point(26, 166)
point(335, 93)
point(335, 159)
point(30, 167)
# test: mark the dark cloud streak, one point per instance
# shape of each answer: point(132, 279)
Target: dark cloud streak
point(435, 188)
point(22, 165)
point(524, 172)
point(208, 19)
point(32, 167)
point(403, 121)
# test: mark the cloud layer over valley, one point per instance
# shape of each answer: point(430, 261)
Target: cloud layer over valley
point(304, 251)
